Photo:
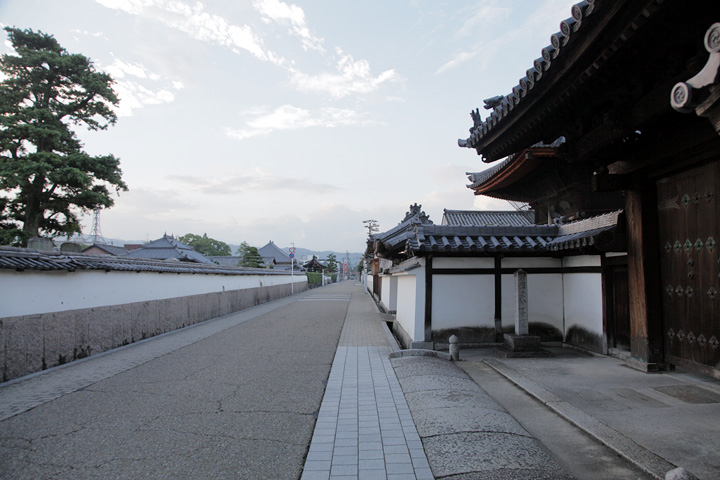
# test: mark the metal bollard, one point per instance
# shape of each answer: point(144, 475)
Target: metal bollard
point(454, 348)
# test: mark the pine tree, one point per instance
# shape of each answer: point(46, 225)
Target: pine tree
point(46, 179)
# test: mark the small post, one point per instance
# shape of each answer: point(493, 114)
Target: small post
point(454, 348)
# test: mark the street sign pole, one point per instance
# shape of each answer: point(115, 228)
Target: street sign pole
point(292, 270)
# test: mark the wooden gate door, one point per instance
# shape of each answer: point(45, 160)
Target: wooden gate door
point(688, 216)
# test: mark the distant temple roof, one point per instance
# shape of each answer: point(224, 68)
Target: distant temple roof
point(272, 252)
point(226, 260)
point(108, 249)
point(166, 248)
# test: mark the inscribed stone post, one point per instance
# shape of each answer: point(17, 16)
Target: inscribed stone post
point(521, 303)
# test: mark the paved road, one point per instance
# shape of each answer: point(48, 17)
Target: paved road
point(238, 402)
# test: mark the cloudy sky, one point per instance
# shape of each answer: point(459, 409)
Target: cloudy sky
point(257, 120)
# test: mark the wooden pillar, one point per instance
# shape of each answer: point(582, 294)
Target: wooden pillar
point(646, 339)
point(428, 297)
point(498, 299)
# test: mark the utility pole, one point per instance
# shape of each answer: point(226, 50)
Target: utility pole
point(372, 226)
point(292, 269)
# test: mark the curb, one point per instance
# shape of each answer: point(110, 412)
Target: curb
point(417, 352)
point(649, 462)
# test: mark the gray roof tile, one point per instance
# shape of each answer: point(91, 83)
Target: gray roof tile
point(487, 217)
point(27, 259)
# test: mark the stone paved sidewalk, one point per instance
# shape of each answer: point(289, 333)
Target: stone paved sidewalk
point(364, 428)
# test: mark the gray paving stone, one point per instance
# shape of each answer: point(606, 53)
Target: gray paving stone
point(315, 475)
point(371, 454)
point(372, 475)
point(367, 403)
point(345, 460)
point(343, 470)
point(397, 458)
point(374, 464)
point(317, 465)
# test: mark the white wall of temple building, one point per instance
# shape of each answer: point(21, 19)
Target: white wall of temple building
point(463, 300)
point(558, 298)
point(582, 293)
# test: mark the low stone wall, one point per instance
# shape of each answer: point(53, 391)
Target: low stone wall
point(30, 343)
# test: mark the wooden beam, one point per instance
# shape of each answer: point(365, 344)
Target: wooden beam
point(498, 298)
point(428, 297)
point(603, 182)
point(646, 342)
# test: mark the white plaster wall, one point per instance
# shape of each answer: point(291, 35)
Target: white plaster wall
point(411, 304)
point(545, 299)
point(583, 301)
point(463, 301)
point(385, 290)
point(469, 262)
point(531, 262)
point(368, 283)
point(391, 300)
point(582, 261)
point(389, 292)
point(32, 292)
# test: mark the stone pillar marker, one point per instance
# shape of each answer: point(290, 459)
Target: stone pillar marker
point(521, 344)
point(521, 303)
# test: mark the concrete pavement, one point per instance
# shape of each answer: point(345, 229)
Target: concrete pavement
point(656, 421)
point(232, 398)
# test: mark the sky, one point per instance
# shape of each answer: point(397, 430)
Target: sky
point(259, 120)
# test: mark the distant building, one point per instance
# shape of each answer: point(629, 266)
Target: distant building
point(226, 260)
point(101, 249)
point(273, 255)
point(169, 248)
point(315, 265)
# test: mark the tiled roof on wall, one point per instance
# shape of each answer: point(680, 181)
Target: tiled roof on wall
point(583, 232)
point(21, 259)
point(457, 239)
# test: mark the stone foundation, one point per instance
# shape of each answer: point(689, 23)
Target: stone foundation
point(31, 343)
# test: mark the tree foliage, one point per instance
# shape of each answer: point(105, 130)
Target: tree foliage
point(46, 179)
point(249, 256)
point(332, 264)
point(206, 245)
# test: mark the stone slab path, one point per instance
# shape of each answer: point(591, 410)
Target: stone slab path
point(364, 428)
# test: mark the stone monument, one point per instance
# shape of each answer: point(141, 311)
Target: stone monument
point(521, 343)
